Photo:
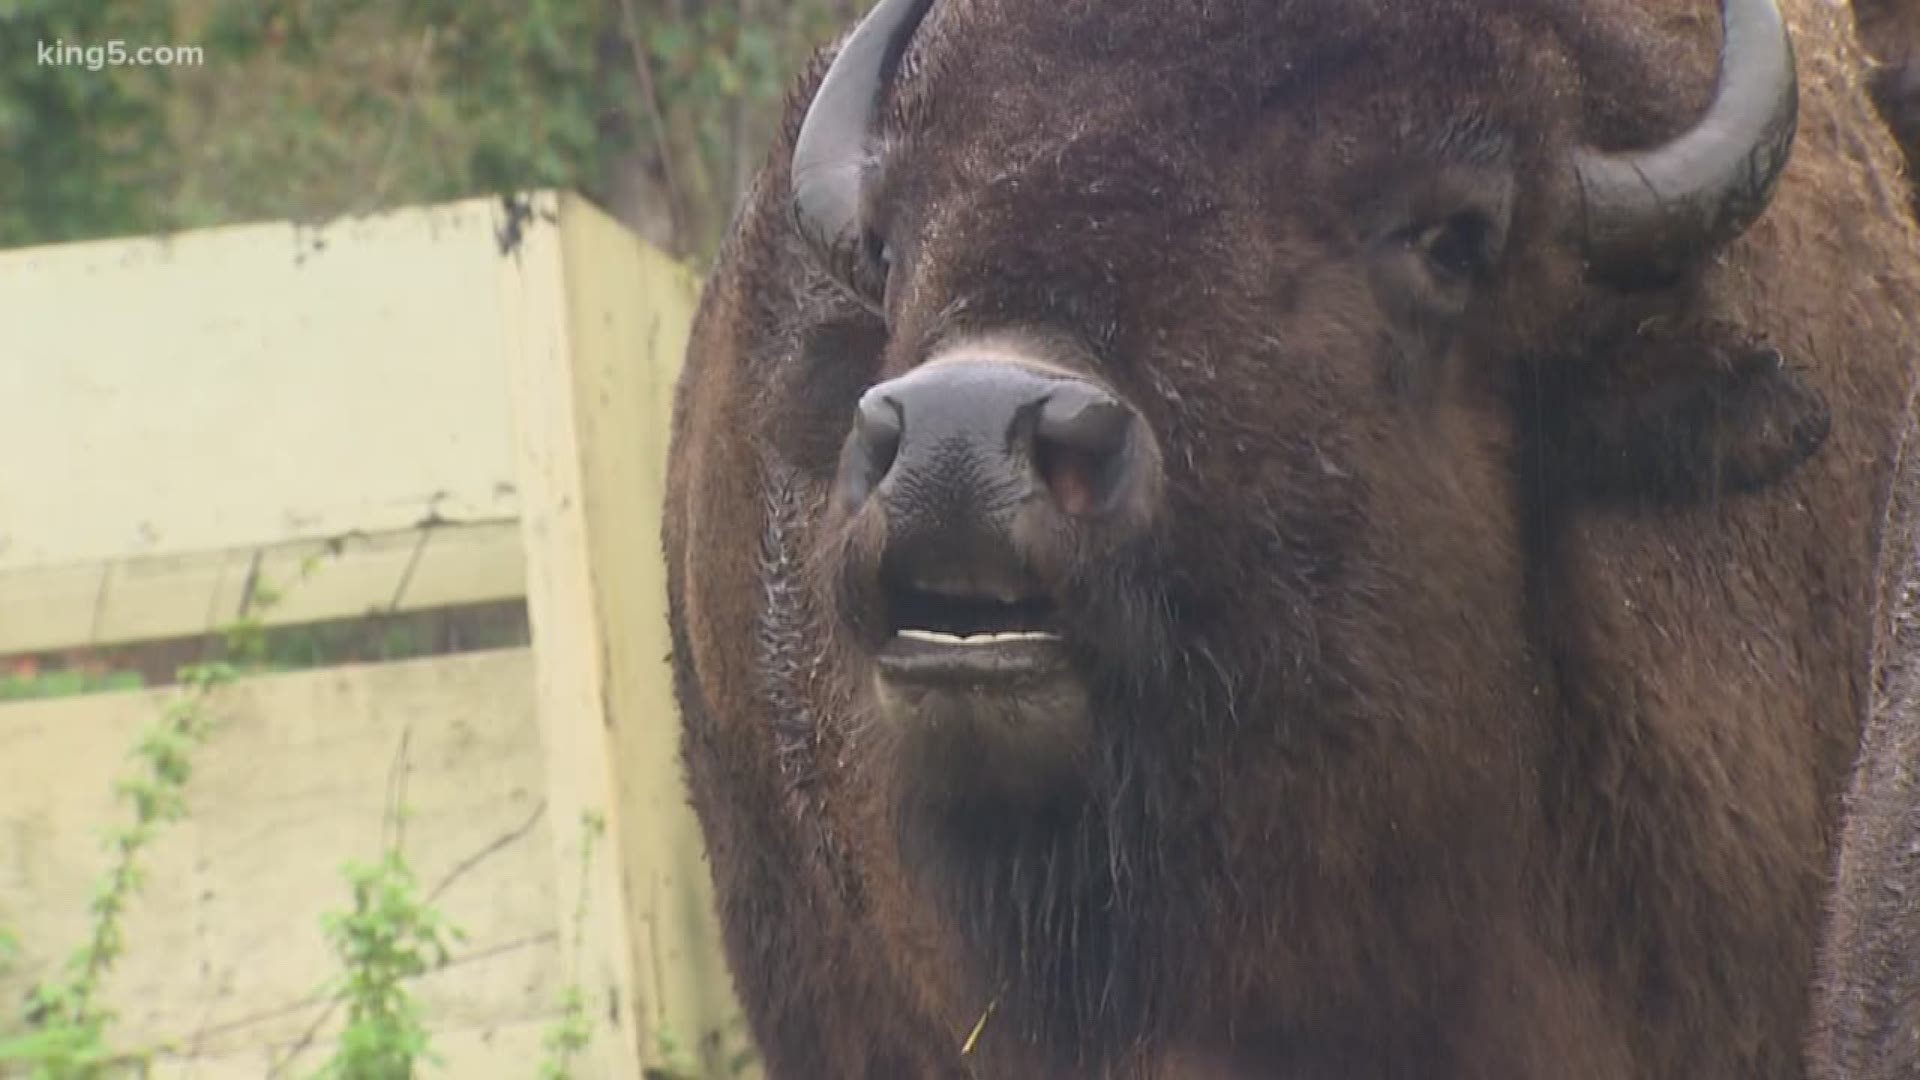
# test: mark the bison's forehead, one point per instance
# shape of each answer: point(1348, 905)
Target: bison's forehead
point(990, 80)
point(1071, 163)
point(1077, 161)
point(1254, 43)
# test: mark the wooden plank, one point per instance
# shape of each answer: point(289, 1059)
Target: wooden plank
point(626, 363)
point(568, 658)
point(489, 1051)
point(597, 349)
point(225, 949)
point(243, 387)
point(161, 596)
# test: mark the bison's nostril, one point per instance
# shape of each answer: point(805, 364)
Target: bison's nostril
point(877, 424)
point(1078, 442)
point(964, 438)
point(1073, 477)
point(1084, 418)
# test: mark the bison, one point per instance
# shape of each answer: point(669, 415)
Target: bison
point(1292, 538)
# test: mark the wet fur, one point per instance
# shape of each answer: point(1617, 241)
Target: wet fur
point(1439, 734)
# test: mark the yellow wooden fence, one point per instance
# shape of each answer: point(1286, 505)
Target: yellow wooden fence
point(448, 406)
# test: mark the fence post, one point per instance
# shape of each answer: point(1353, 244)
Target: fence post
point(599, 322)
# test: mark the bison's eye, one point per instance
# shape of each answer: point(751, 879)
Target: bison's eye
point(1459, 248)
point(873, 274)
point(1429, 264)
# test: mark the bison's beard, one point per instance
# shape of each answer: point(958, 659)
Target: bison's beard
point(1059, 889)
point(1077, 910)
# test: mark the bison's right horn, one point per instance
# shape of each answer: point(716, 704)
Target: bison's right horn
point(1649, 213)
point(831, 152)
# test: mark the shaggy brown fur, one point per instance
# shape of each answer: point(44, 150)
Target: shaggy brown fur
point(1890, 32)
point(1440, 729)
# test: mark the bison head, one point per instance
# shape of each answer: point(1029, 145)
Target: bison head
point(1163, 468)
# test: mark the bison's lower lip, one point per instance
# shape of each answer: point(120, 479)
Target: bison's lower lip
point(979, 661)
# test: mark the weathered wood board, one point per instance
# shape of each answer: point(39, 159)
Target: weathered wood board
point(452, 421)
point(605, 321)
point(225, 948)
point(172, 408)
point(247, 385)
point(147, 598)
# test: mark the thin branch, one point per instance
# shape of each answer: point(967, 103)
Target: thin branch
point(307, 1037)
point(643, 70)
point(416, 77)
point(544, 937)
point(461, 868)
point(396, 808)
point(250, 1019)
point(746, 14)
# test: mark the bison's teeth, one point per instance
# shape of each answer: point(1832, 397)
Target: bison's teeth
point(934, 636)
point(941, 637)
point(1009, 637)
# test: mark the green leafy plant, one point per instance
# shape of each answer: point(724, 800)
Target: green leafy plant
point(81, 150)
point(67, 1019)
point(570, 1033)
point(69, 682)
point(678, 1062)
point(391, 935)
point(310, 111)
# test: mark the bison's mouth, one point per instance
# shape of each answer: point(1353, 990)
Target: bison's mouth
point(975, 672)
point(973, 632)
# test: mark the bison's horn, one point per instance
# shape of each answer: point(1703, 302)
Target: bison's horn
point(1651, 212)
point(831, 151)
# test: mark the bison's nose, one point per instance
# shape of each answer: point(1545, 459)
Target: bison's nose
point(973, 437)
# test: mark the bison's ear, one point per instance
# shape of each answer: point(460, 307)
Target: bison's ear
point(1687, 416)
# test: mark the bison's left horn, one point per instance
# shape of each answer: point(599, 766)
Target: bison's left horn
point(831, 152)
point(1651, 212)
